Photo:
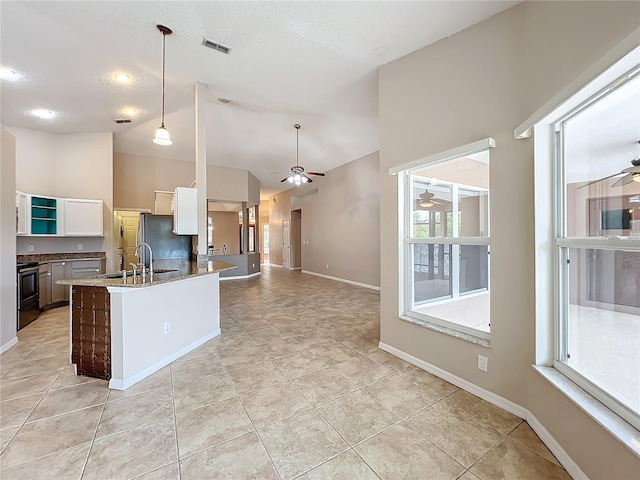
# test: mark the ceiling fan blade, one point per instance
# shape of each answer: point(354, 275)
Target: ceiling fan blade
point(599, 180)
point(309, 180)
point(628, 178)
point(634, 169)
point(284, 179)
point(316, 173)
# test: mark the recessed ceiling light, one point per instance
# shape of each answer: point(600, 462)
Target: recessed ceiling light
point(43, 113)
point(129, 111)
point(9, 74)
point(122, 78)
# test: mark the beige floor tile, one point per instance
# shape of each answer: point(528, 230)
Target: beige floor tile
point(282, 347)
point(400, 452)
point(467, 476)
point(323, 385)
point(267, 334)
point(242, 356)
point(347, 465)
point(459, 435)
point(311, 339)
point(273, 403)
point(65, 464)
point(512, 460)
point(169, 472)
point(299, 443)
point(361, 371)
point(400, 396)
point(68, 378)
point(438, 387)
point(334, 352)
point(361, 343)
point(14, 412)
point(202, 391)
point(254, 377)
point(23, 387)
point(211, 425)
point(68, 399)
point(241, 458)
point(495, 417)
point(193, 369)
point(253, 324)
point(133, 452)
point(6, 435)
point(48, 350)
point(159, 379)
point(204, 350)
point(49, 364)
point(390, 361)
point(299, 364)
point(131, 412)
point(524, 435)
point(50, 435)
point(356, 416)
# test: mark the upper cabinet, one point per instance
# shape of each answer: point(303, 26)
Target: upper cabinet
point(82, 218)
point(185, 211)
point(49, 216)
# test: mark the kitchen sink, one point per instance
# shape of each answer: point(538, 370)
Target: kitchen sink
point(130, 273)
point(164, 270)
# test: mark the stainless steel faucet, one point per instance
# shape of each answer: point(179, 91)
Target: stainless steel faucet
point(150, 258)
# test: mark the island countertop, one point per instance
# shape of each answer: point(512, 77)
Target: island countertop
point(165, 271)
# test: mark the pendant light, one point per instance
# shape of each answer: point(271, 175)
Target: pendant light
point(297, 175)
point(162, 134)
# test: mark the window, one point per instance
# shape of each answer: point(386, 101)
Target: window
point(597, 246)
point(444, 228)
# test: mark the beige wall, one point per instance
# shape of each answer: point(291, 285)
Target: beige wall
point(136, 177)
point(8, 292)
point(481, 82)
point(340, 222)
point(78, 165)
point(226, 231)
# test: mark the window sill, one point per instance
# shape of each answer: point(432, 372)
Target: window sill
point(612, 423)
point(448, 331)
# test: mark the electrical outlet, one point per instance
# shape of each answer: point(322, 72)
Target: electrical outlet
point(167, 327)
point(327, 266)
point(79, 246)
point(30, 248)
point(483, 363)
point(253, 265)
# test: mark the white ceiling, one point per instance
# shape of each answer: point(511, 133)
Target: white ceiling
point(312, 63)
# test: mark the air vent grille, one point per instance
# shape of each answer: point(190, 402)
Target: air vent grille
point(224, 100)
point(123, 120)
point(216, 46)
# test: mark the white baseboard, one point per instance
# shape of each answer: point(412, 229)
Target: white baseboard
point(240, 277)
point(8, 345)
point(565, 460)
point(563, 457)
point(122, 384)
point(343, 280)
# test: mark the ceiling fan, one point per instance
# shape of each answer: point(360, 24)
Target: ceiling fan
point(427, 200)
point(631, 174)
point(297, 174)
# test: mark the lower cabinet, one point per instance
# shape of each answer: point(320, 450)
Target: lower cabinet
point(85, 268)
point(59, 271)
point(44, 285)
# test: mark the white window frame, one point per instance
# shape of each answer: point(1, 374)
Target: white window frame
point(602, 75)
point(406, 242)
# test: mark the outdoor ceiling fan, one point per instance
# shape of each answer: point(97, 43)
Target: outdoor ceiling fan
point(297, 174)
point(427, 200)
point(631, 174)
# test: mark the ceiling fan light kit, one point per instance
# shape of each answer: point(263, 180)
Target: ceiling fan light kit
point(162, 134)
point(297, 175)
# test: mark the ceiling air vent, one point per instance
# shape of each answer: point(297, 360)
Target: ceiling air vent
point(123, 120)
point(215, 45)
point(224, 100)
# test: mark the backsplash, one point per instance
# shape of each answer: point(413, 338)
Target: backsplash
point(58, 244)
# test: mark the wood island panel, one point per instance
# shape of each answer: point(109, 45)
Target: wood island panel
point(91, 331)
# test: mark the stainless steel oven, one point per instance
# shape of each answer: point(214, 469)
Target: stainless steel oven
point(28, 293)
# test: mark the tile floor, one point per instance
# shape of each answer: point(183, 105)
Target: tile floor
point(295, 387)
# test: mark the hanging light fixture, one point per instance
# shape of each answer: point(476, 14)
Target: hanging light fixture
point(162, 134)
point(297, 175)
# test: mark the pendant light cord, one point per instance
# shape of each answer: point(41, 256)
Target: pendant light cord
point(164, 39)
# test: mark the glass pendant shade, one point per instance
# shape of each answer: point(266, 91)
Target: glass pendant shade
point(636, 177)
point(162, 136)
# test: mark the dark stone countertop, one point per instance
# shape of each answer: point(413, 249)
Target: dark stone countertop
point(57, 257)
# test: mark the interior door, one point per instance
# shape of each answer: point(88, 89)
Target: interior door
point(130, 222)
point(286, 244)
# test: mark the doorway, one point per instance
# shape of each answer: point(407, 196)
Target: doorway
point(286, 245)
point(126, 226)
point(265, 243)
point(296, 239)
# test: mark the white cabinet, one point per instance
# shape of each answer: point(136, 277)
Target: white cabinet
point(185, 211)
point(22, 213)
point(82, 218)
point(85, 268)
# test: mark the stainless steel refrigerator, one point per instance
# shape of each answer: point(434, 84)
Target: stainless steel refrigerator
point(157, 231)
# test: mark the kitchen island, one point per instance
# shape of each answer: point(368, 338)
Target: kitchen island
point(125, 328)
